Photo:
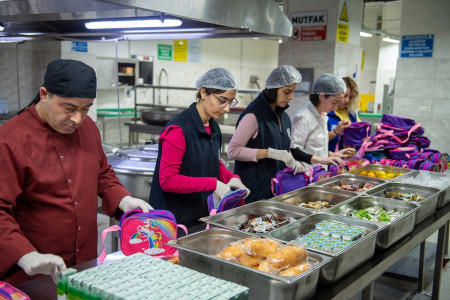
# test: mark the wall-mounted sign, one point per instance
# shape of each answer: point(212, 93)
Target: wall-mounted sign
point(180, 50)
point(164, 52)
point(343, 16)
point(309, 26)
point(195, 50)
point(342, 32)
point(79, 46)
point(417, 45)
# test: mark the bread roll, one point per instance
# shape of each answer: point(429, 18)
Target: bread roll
point(261, 247)
point(233, 252)
point(263, 267)
point(295, 270)
point(249, 260)
point(285, 258)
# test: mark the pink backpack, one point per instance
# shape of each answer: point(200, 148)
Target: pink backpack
point(145, 232)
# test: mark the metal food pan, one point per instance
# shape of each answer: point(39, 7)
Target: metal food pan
point(390, 232)
point(427, 207)
point(234, 218)
point(444, 197)
point(197, 251)
point(343, 261)
point(349, 178)
point(315, 193)
point(382, 168)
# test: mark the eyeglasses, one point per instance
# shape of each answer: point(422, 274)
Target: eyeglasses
point(223, 103)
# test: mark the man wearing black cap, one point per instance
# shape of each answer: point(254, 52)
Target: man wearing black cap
point(53, 168)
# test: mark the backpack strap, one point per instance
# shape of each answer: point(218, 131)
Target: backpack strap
point(211, 213)
point(102, 256)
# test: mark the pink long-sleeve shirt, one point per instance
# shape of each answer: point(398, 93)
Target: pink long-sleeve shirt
point(246, 130)
point(173, 146)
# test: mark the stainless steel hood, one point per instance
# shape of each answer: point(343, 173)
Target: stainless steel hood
point(64, 19)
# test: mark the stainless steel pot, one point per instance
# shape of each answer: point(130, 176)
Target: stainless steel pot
point(109, 149)
point(159, 115)
point(135, 169)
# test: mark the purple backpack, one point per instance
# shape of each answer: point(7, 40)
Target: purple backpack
point(403, 152)
point(285, 181)
point(354, 135)
point(317, 173)
point(233, 199)
point(336, 170)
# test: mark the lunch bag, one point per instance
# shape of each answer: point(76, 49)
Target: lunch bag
point(233, 199)
point(337, 170)
point(354, 135)
point(145, 232)
point(285, 181)
point(404, 153)
point(9, 292)
point(317, 173)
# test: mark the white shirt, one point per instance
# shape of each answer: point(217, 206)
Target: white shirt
point(309, 131)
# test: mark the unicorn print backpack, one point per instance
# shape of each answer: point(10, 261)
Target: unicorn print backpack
point(145, 232)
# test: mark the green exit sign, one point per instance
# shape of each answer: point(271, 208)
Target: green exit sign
point(164, 52)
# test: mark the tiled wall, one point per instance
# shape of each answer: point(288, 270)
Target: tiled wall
point(422, 93)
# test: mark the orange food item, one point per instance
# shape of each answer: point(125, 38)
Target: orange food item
point(261, 247)
point(295, 270)
point(233, 252)
point(285, 258)
point(249, 260)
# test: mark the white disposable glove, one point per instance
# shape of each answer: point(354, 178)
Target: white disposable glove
point(282, 155)
point(295, 165)
point(36, 263)
point(129, 203)
point(221, 190)
point(237, 184)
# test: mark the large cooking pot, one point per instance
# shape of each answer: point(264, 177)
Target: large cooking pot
point(159, 115)
point(135, 168)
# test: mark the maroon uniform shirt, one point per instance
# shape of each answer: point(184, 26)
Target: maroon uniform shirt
point(49, 184)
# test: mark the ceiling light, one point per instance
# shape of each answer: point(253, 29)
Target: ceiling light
point(255, 38)
point(2, 28)
point(14, 39)
point(389, 40)
point(280, 41)
point(31, 33)
point(365, 34)
point(133, 24)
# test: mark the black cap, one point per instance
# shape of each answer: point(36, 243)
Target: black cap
point(69, 78)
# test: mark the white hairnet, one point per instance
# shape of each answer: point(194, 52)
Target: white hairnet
point(328, 84)
point(217, 78)
point(282, 76)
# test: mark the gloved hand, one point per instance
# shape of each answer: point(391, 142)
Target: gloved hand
point(221, 190)
point(36, 263)
point(237, 184)
point(282, 155)
point(296, 165)
point(129, 203)
point(327, 160)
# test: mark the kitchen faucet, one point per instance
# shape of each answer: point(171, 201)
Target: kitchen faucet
point(167, 84)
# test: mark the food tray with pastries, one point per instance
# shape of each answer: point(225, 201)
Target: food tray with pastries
point(349, 242)
point(351, 182)
point(231, 255)
point(316, 198)
point(426, 197)
point(395, 218)
point(259, 217)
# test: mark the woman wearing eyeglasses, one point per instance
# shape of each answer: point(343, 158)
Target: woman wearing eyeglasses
point(261, 142)
point(188, 166)
point(344, 115)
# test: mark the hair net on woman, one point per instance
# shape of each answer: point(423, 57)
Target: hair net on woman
point(217, 78)
point(328, 84)
point(282, 76)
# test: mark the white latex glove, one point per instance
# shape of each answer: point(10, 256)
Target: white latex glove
point(296, 165)
point(332, 160)
point(221, 190)
point(237, 184)
point(36, 263)
point(129, 203)
point(282, 155)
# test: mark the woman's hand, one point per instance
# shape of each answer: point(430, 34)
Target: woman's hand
point(332, 160)
point(343, 153)
point(341, 126)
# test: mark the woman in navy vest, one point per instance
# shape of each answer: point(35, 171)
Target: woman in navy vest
point(344, 115)
point(261, 142)
point(188, 167)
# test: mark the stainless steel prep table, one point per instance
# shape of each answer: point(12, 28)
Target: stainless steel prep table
point(362, 278)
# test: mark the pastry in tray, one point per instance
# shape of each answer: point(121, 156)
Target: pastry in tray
point(318, 205)
point(355, 187)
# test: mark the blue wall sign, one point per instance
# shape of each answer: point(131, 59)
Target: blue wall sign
point(417, 45)
point(79, 47)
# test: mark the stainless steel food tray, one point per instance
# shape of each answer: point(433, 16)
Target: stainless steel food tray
point(315, 193)
point(390, 232)
point(343, 261)
point(444, 197)
point(234, 218)
point(197, 251)
point(382, 168)
point(427, 207)
point(348, 178)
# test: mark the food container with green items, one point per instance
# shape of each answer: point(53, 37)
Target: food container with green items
point(315, 198)
point(395, 217)
point(426, 197)
point(321, 233)
point(200, 251)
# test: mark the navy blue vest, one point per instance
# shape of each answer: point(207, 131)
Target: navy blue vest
point(200, 160)
point(257, 176)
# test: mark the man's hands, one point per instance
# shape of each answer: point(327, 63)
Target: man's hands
point(129, 203)
point(36, 263)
